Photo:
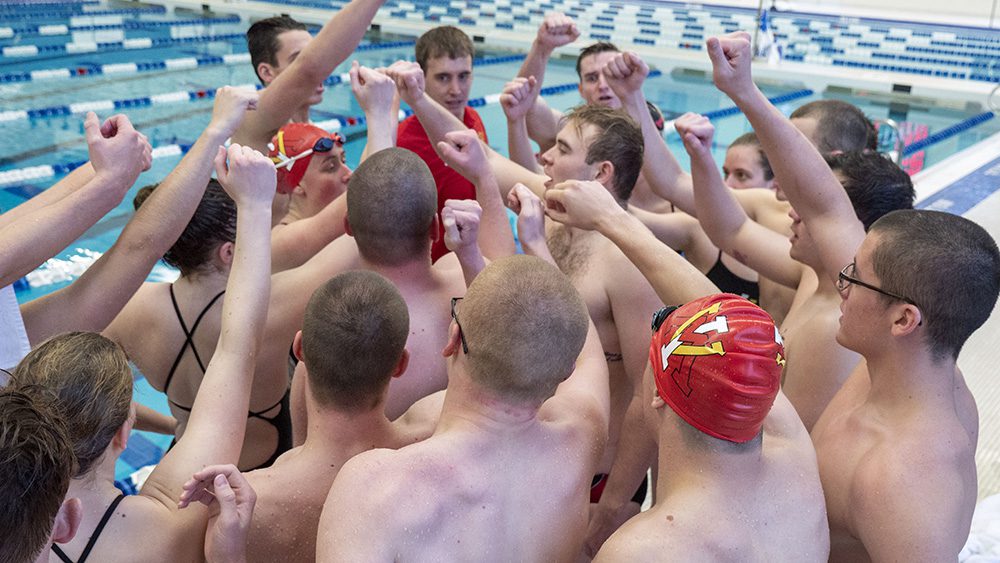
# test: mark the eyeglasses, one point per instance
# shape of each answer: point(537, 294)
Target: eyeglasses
point(465, 345)
point(660, 316)
point(323, 144)
point(846, 278)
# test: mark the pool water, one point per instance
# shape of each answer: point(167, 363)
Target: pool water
point(59, 139)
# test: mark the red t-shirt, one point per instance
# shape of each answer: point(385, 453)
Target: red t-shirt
point(450, 184)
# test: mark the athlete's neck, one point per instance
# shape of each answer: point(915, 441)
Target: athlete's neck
point(470, 407)
point(301, 115)
point(903, 375)
point(339, 435)
point(409, 272)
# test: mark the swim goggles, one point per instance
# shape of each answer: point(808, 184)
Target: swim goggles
point(323, 144)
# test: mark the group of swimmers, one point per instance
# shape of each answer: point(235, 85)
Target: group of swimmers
point(372, 373)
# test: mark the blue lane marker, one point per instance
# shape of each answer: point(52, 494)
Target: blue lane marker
point(966, 192)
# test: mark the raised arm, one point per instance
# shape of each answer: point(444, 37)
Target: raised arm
point(376, 94)
point(463, 151)
point(543, 122)
point(626, 74)
point(806, 179)
point(436, 120)
point(530, 222)
point(92, 301)
point(217, 424)
point(461, 235)
point(294, 86)
point(516, 100)
point(721, 215)
point(588, 205)
point(36, 230)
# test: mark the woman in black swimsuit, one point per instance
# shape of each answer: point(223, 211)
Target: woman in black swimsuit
point(169, 330)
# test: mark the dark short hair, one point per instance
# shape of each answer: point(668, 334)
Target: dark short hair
point(213, 223)
point(840, 126)
point(750, 140)
point(263, 43)
point(445, 40)
point(948, 265)
point(874, 183)
point(353, 335)
point(391, 206)
point(618, 140)
point(594, 49)
point(36, 465)
point(92, 381)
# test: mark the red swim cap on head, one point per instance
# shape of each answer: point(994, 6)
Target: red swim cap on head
point(292, 140)
point(717, 362)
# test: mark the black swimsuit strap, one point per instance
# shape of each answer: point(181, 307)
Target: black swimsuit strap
point(188, 339)
point(93, 538)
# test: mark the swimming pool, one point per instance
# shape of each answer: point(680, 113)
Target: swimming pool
point(112, 75)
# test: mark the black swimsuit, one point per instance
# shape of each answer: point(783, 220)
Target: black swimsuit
point(727, 281)
point(282, 422)
point(93, 538)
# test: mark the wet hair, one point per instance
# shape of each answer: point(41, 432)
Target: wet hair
point(874, 183)
point(594, 49)
point(263, 41)
point(36, 466)
point(391, 206)
point(840, 126)
point(91, 378)
point(750, 140)
point(948, 265)
point(618, 139)
point(525, 325)
point(443, 41)
point(213, 223)
point(353, 335)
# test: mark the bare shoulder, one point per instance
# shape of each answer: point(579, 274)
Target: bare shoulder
point(915, 487)
point(651, 536)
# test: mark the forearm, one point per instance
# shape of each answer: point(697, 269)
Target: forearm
point(472, 262)
point(672, 277)
point(153, 421)
point(336, 40)
point(543, 123)
point(53, 194)
point(519, 145)
point(495, 236)
point(39, 235)
point(660, 168)
point(382, 127)
point(295, 243)
point(435, 119)
point(718, 211)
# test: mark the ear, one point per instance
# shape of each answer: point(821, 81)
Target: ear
point(67, 521)
point(120, 439)
point(226, 253)
point(266, 72)
point(297, 346)
point(433, 231)
point(347, 227)
point(402, 364)
point(454, 343)
point(908, 318)
point(658, 402)
point(605, 173)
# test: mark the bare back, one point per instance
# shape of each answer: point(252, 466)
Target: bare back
point(465, 494)
point(151, 334)
point(766, 508)
point(428, 298)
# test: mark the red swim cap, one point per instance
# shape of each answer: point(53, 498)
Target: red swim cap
point(291, 141)
point(717, 362)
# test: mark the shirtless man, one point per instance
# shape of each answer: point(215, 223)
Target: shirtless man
point(726, 456)
point(519, 424)
point(817, 366)
point(599, 144)
point(391, 217)
point(93, 382)
point(896, 445)
point(349, 364)
point(37, 465)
